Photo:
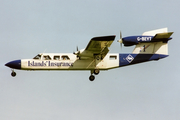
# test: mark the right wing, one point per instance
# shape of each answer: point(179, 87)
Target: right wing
point(98, 46)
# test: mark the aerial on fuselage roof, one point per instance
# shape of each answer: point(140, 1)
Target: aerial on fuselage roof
point(151, 45)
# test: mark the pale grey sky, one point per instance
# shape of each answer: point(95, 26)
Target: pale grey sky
point(147, 91)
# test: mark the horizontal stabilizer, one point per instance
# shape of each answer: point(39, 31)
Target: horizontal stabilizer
point(163, 35)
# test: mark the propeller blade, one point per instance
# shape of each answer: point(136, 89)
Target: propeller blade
point(120, 35)
point(77, 48)
point(121, 45)
point(120, 40)
point(77, 52)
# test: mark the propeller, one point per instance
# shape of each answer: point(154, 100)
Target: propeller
point(120, 40)
point(77, 52)
point(77, 48)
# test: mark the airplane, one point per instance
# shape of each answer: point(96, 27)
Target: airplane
point(151, 45)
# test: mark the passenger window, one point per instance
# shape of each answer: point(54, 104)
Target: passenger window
point(64, 57)
point(113, 57)
point(37, 57)
point(46, 57)
point(56, 57)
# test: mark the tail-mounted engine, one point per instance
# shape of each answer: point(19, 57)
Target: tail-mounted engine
point(134, 40)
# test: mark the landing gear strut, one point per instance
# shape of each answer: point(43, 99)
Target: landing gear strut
point(92, 77)
point(13, 74)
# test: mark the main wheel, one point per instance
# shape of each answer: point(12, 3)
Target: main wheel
point(13, 74)
point(96, 71)
point(91, 78)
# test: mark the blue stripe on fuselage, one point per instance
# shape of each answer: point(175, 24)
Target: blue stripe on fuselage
point(129, 59)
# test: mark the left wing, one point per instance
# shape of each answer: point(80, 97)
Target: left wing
point(98, 46)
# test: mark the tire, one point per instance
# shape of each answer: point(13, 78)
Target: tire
point(13, 74)
point(91, 78)
point(96, 71)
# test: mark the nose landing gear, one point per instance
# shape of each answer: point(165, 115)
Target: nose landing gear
point(13, 74)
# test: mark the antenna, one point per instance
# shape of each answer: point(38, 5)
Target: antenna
point(45, 50)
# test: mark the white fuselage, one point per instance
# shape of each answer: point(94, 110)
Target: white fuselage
point(69, 61)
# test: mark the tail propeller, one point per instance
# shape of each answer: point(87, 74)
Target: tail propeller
point(120, 40)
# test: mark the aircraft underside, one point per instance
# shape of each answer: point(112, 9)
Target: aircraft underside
point(116, 60)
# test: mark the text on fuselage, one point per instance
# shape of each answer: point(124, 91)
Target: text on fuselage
point(49, 63)
point(143, 38)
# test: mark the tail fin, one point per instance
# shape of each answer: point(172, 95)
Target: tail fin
point(151, 48)
point(154, 32)
point(152, 45)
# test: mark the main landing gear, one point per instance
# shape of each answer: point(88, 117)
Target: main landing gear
point(92, 77)
point(13, 74)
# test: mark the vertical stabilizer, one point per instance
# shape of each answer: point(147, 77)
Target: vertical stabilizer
point(154, 32)
point(151, 48)
point(151, 45)
point(157, 45)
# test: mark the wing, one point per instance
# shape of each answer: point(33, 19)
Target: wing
point(99, 45)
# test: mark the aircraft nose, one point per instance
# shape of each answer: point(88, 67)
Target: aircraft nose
point(16, 64)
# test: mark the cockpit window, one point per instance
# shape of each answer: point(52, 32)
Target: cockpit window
point(37, 57)
point(64, 57)
point(46, 57)
point(56, 57)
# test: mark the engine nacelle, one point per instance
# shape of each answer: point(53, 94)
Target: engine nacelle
point(134, 40)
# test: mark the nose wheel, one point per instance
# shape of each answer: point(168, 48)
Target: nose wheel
point(13, 74)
